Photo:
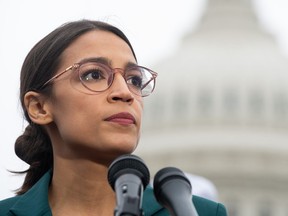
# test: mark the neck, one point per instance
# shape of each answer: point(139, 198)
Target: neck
point(80, 187)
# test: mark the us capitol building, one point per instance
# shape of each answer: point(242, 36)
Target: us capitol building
point(220, 111)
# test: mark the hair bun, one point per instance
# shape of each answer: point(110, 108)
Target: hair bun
point(32, 145)
point(22, 145)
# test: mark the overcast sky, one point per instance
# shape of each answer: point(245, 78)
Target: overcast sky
point(153, 27)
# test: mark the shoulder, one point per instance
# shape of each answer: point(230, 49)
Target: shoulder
point(207, 207)
point(33, 202)
point(6, 204)
point(203, 206)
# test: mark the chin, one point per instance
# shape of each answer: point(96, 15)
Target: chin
point(123, 150)
point(126, 150)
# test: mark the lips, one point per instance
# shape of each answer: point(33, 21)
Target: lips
point(122, 118)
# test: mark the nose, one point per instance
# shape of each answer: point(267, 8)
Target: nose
point(119, 90)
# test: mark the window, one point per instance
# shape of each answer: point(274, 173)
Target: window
point(158, 108)
point(280, 105)
point(232, 206)
point(230, 102)
point(256, 103)
point(181, 104)
point(205, 102)
point(265, 208)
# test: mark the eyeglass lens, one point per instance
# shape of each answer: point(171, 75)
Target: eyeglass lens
point(98, 77)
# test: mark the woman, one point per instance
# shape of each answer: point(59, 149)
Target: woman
point(81, 91)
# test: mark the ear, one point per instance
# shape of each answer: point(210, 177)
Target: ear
point(37, 107)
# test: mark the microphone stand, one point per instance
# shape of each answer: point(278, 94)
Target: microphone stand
point(129, 196)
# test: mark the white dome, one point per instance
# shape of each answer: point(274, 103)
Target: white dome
point(229, 70)
point(220, 110)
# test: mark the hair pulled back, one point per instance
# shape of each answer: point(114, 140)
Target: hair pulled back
point(34, 145)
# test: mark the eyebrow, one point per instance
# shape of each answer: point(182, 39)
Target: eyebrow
point(96, 59)
point(131, 64)
point(106, 61)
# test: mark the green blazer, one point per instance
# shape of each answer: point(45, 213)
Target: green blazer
point(35, 203)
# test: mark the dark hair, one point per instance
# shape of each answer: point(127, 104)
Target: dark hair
point(34, 145)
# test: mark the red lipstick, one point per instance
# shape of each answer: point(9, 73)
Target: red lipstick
point(122, 118)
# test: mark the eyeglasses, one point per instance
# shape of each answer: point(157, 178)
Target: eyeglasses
point(98, 77)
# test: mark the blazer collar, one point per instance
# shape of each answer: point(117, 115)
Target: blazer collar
point(34, 201)
point(150, 206)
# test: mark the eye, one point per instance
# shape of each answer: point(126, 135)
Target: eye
point(134, 77)
point(93, 74)
point(135, 81)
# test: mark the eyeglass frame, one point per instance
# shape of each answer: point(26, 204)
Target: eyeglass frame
point(100, 61)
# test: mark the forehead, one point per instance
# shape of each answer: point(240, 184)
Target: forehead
point(95, 44)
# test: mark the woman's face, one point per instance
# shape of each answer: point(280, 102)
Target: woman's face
point(102, 125)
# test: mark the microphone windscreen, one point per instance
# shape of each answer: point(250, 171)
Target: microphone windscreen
point(165, 175)
point(128, 164)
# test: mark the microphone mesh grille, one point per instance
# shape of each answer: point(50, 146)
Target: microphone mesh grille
point(167, 174)
point(128, 164)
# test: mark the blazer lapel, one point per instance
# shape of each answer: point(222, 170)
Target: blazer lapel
point(35, 201)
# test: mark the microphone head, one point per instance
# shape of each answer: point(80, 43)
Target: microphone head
point(128, 164)
point(168, 174)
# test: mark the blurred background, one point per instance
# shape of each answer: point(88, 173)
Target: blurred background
point(220, 108)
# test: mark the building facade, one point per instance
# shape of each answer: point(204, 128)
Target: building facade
point(220, 110)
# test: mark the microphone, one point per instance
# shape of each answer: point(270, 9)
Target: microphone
point(173, 190)
point(128, 176)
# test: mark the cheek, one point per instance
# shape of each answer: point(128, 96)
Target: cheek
point(78, 126)
point(72, 113)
